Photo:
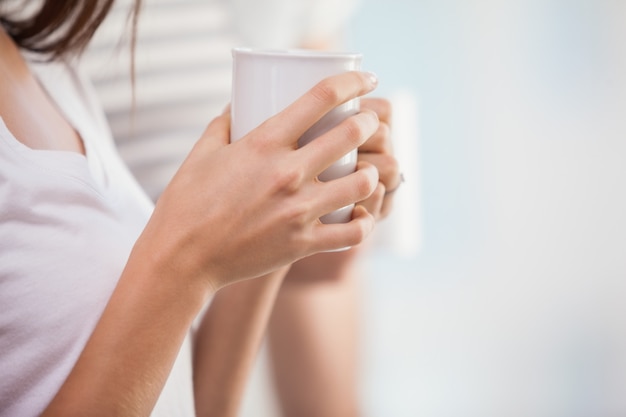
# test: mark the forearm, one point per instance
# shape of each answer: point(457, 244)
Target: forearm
point(227, 343)
point(188, 247)
point(125, 363)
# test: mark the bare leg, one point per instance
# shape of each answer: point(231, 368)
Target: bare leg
point(227, 343)
point(314, 338)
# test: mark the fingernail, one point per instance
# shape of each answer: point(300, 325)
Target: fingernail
point(373, 78)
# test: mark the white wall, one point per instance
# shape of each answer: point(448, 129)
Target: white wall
point(514, 304)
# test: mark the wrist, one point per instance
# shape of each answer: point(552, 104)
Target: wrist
point(169, 260)
point(137, 338)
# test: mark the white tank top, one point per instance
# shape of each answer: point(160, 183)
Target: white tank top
point(67, 225)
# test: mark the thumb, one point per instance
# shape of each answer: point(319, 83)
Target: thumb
point(217, 133)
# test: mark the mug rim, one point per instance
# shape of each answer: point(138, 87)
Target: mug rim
point(295, 53)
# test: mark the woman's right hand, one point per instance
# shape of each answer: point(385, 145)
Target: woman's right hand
point(236, 211)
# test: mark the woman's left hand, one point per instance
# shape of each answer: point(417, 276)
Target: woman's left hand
point(378, 151)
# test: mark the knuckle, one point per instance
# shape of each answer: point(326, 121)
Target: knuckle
point(358, 234)
point(385, 109)
point(389, 169)
point(364, 186)
point(288, 181)
point(259, 140)
point(353, 130)
point(325, 92)
point(302, 239)
point(298, 217)
point(379, 193)
point(384, 132)
point(305, 241)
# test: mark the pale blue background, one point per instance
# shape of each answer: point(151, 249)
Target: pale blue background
point(514, 306)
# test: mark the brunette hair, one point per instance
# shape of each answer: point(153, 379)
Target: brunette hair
point(60, 27)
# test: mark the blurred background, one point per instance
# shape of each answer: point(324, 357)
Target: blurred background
point(497, 287)
point(514, 303)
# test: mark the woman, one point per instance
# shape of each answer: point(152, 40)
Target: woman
point(98, 290)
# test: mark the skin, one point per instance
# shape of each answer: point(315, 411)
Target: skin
point(311, 312)
point(22, 94)
point(313, 332)
point(313, 328)
point(314, 340)
point(228, 340)
point(186, 253)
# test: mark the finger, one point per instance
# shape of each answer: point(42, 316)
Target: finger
point(329, 93)
point(333, 145)
point(381, 106)
point(397, 183)
point(374, 203)
point(217, 133)
point(386, 207)
point(346, 190)
point(341, 235)
point(387, 165)
point(380, 141)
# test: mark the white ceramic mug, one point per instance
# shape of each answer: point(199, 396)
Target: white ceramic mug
point(267, 81)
